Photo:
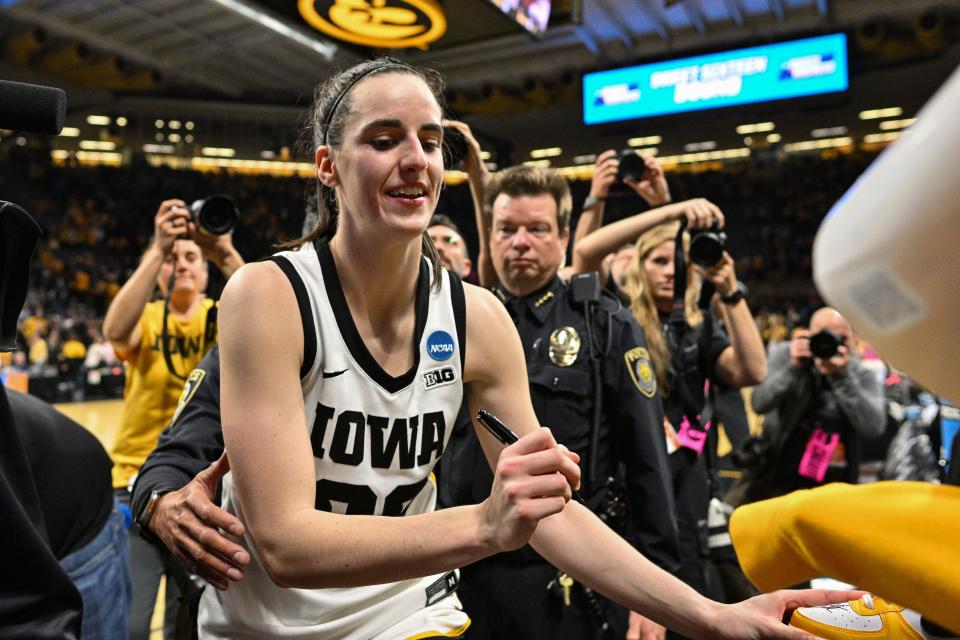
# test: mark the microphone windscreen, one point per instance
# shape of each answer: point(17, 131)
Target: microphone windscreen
point(32, 108)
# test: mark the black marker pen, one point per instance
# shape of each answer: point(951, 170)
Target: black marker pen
point(496, 428)
point(503, 433)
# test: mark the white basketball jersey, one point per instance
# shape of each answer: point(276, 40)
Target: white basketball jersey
point(375, 439)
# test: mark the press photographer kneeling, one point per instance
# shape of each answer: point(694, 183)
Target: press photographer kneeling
point(161, 342)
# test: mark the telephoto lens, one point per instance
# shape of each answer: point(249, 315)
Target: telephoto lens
point(825, 344)
point(215, 215)
point(706, 245)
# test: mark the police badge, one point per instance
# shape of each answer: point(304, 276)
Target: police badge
point(641, 370)
point(564, 346)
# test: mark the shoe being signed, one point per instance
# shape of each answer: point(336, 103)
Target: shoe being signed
point(870, 618)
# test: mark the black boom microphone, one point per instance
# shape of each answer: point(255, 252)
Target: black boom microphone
point(32, 108)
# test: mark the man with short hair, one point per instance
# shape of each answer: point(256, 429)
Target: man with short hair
point(583, 353)
point(819, 401)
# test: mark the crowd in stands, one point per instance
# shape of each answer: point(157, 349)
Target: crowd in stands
point(96, 221)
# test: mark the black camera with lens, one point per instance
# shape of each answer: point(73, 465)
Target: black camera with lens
point(825, 344)
point(631, 166)
point(215, 215)
point(706, 245)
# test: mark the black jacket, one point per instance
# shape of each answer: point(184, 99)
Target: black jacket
point(193, 440)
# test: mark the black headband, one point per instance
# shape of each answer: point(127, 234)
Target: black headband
point(336, 103)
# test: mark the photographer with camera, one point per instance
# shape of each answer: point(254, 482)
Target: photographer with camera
point(819, 401)
point(642, 174)
point(688, 349)
point(162, 341)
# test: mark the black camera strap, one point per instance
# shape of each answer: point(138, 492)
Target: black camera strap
point(676, 330)
point(209, 332)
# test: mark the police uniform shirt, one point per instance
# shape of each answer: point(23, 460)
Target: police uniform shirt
point(554, 336)
point(375, 440)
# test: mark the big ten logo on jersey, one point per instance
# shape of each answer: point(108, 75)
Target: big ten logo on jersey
point(439, 377)
point(394, 443)
point(440, 345)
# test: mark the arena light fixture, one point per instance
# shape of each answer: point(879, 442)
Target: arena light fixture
point(219, 152)
point(267, 154)
point(774, 138)
point(189, 125)
point(98, 145)
point(70, 132)
point(99, 157)
point(705, 156)
point(647, 151)
point(889, 125)
point(548, 152)
point(325, 49)
point(757, 127)
point(159, 148)
point(644, 141)
point(121, 121)
point(888, 112)
point(706, 145)
point(589, 158)
point(485, 155)
point(159, 124)
point(59, 154)
point(174, 137)
point(875, 138)
point(537, 163)
point(819, 144)
point(98, 120)
point(829, 132)
point(174, 124)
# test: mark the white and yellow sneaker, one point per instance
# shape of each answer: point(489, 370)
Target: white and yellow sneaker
point(870, 618)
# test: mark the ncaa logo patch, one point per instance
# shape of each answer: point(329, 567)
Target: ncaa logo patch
point(440, 345)
point(439, 377)
point(641, 370)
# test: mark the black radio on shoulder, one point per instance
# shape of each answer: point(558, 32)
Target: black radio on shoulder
point(585, 287)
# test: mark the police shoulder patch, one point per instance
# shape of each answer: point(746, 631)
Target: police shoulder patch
point(641, 370)
point(189, 390)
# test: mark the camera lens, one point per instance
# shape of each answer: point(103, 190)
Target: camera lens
point(216, 215)
point(631, 166)
point(825, 344)
point(706, 247)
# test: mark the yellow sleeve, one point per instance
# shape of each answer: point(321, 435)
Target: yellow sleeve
point(900, 540)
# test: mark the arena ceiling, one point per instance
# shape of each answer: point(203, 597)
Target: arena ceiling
point(258, 60)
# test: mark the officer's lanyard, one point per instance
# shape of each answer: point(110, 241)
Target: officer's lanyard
point(209, 332)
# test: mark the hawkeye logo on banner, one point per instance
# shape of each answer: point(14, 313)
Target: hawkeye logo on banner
point(389, 24)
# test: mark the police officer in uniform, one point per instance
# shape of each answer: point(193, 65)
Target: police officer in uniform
point(584, 354)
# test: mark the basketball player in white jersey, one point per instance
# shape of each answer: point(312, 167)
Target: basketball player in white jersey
point(343, 365)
